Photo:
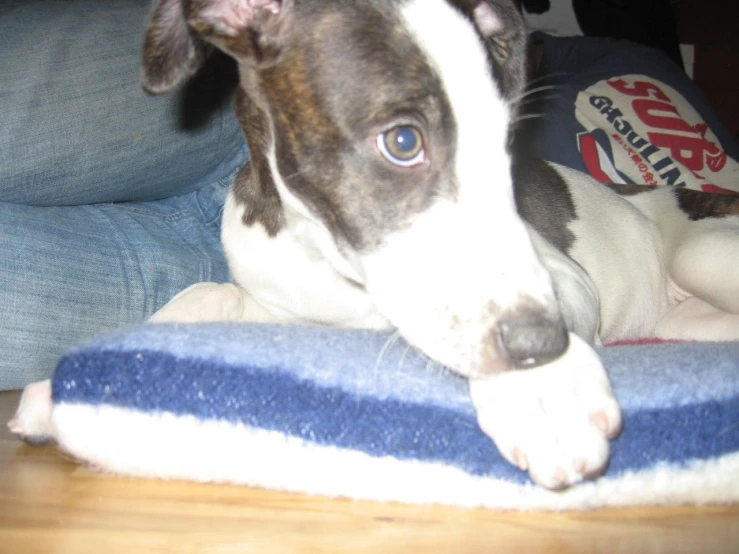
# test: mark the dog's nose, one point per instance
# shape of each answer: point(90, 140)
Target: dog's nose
point(532, 339)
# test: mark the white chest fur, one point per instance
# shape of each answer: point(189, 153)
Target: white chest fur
point(290, 277)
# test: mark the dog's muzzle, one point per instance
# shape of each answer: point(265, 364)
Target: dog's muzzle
point(531, 339)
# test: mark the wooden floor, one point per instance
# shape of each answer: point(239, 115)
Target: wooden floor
point(49, 504)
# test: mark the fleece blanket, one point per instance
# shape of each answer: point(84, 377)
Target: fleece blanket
point(360, 414)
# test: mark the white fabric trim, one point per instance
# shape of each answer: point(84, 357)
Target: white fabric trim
point(167, 446)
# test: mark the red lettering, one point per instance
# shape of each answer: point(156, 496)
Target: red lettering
point(641, 89)
point(716, 163)
point(716, 190)
point(687, 150)
point(650, 112)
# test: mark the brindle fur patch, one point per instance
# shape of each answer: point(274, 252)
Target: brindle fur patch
point(694, 203)
point(353, 73)
point(543, 199)
point(702, 205)
point(627, 189)
point(254, 185)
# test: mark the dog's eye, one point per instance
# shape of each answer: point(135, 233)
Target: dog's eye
point(402, 146)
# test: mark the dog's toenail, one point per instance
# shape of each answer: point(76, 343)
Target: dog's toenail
point(520, 459)
point(600, 420)
point(559, 479)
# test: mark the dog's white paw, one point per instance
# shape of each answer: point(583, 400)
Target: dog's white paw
point(204, 302)
point(554, 421)
point(32, 420)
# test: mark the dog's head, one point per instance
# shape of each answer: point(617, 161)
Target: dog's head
point(385, 124)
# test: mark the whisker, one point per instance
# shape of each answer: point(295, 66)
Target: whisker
point(391, 340)
point(291, 176)
point(535, 93)
point(405, 353)
point(530, 116)
point(528, 91)
point(526, 101)
point(435, 369)
point(549, 76)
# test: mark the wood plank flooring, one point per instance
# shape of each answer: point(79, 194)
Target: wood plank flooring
point(50, 504)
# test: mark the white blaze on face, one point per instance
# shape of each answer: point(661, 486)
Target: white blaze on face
point(445, 280)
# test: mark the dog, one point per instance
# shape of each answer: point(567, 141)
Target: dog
point(381, 193)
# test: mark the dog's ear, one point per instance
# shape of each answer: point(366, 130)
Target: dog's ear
point(172, 51)
point(502, 27)
point(248, 30)
point(181, 32)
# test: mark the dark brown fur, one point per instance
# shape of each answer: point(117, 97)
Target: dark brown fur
point(701, 205)
point(318, 80)
point(254, 184)
point(543, 199)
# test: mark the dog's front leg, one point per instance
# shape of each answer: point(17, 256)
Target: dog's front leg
point(32, 420)
point(213, 302)
point(554, 421)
